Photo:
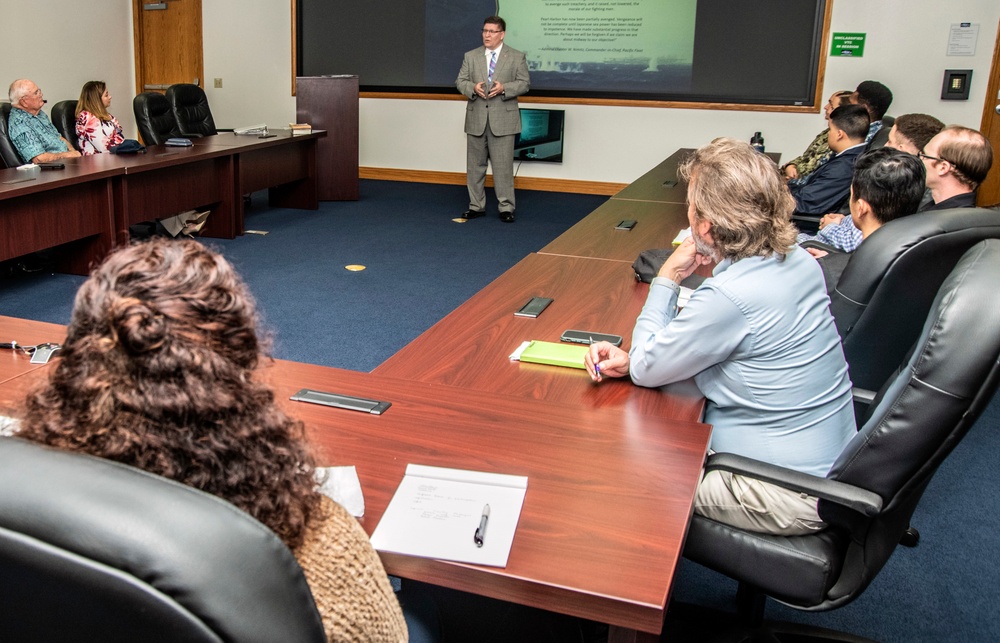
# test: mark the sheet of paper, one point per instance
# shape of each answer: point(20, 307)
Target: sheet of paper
point(343, 486)
point(435, 513)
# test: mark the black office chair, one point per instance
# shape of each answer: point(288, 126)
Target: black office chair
point(870, 494)
point(190, 107)
point(64, 118)
point(154, 118)
point(8, 153)
point(882, 135)
point(92, 550)
point(887, 288)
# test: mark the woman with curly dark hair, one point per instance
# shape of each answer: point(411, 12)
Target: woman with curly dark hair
point(158, 372)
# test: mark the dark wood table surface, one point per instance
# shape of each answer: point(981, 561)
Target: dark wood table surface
point(662, 184)
point(216, 171)
point(609, 491)
point(470, 347)
point(595, 235)
point(659, 184)
point(612, 467)
point(91, 202)
point(74, 205)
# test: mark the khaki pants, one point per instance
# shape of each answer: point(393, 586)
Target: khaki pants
point(756, 506)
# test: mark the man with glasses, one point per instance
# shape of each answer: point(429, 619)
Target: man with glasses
point(957, 161)
point(34, 136)
point(492, 77)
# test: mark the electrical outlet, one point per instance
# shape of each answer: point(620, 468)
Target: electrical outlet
point(218, 83)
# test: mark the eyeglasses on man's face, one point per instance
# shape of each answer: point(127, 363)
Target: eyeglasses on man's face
point(928, 157)
point(491, 31)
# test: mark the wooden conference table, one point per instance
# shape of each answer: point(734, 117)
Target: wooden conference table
point(93, 200)
point(609, 490)
point(661, 183)
point(657, 223)
point(76, 205)
point(470, 347)
point(612, 467)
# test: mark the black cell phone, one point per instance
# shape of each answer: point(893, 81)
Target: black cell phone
point(534, 307)
point(52, 165)
point(339, 401)
point(587, 337)
point(267, 136)
point(625, 224)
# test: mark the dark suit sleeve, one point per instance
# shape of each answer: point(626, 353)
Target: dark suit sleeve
point(826, 188)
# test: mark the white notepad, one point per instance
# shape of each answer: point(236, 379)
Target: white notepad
point(435, 513)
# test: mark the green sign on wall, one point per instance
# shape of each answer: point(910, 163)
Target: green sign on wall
point(848, 45)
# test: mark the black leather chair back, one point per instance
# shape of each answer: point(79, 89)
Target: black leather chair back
point(8, 153)
point(916, 420)
point(191, 110)
point(63, 116)
point(154, 118)
point(882, 135)
point(923, 412)
point(886, 290)
point(92, 550)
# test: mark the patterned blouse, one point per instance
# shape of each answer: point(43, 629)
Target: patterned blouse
point(96, 136)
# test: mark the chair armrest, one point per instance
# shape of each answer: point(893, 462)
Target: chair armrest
point(854, 498)
point(806, 222)
point(863, 395)
point(819, 245)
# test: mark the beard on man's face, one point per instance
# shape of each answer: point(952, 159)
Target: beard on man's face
point(703, 247)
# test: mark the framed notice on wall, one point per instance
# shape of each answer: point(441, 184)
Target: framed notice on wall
point(847, 45)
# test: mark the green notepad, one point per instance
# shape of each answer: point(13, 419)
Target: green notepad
point(554, 353)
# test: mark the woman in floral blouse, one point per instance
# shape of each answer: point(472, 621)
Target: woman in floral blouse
point(96, 128)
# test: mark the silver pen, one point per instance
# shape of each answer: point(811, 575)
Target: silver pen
point(481, 531)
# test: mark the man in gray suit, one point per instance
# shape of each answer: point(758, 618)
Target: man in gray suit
point(492, 77)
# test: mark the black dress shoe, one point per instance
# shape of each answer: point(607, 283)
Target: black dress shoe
point(472, 214)
point(507, 217)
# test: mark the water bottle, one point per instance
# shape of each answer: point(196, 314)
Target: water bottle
point(757, 142)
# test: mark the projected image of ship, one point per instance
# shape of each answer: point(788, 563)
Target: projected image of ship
point(623, 73)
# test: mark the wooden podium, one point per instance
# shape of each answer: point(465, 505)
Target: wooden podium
point(330, 103)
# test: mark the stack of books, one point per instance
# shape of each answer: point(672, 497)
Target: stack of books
point(300, 128)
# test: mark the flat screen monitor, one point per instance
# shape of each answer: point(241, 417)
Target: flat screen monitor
point(541, 137)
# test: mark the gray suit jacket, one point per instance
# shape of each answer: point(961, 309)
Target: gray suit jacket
point(501, 111)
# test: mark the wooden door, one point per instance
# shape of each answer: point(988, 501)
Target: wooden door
point(989, 191)
point(168, 47)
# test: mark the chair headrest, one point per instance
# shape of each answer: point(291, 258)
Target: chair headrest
point(193, 558)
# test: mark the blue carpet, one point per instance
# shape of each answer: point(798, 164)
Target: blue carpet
point(420, 265)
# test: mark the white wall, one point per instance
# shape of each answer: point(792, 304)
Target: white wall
point(905, 49)
point(93, 41)
point(247, 43)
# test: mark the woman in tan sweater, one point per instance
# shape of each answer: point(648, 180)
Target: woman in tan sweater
point(158, 372)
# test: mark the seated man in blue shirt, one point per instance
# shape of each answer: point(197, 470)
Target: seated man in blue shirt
point(826, 189)
point(34, 136)
point(757, 337)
